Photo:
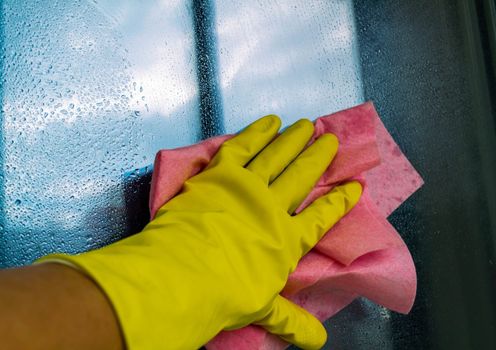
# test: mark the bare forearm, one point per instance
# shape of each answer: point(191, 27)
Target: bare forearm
point(52, 306)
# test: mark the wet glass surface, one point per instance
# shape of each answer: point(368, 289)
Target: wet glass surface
point(92, 89)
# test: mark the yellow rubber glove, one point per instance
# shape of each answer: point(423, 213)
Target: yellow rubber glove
point(217, 255)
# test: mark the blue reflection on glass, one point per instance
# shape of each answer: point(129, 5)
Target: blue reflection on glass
point(90, 91)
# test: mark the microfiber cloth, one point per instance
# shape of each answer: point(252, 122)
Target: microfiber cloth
point(362, 255)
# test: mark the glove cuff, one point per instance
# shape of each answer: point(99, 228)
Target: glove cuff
point(147, 304)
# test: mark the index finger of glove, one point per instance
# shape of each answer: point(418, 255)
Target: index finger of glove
point(248, 142)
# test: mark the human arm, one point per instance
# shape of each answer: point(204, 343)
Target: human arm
point(53, 306)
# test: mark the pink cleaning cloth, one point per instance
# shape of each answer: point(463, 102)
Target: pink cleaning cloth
point(362, 255)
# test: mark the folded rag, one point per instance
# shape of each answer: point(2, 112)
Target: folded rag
point(363, 255)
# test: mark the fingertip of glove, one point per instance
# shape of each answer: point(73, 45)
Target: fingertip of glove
point(305, 123)
point(330, 140)
point(352, 192)
point(268, 122)
point(316, 337)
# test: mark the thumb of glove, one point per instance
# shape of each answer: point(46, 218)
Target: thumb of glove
point(294, 324)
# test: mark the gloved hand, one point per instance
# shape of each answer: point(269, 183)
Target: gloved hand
point(217, 255)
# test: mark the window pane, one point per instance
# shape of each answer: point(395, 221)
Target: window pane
point(90, 91)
